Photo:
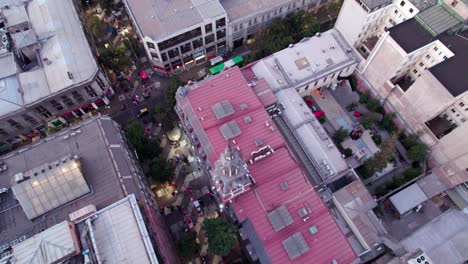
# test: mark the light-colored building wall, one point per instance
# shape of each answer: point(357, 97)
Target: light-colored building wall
point(351, 20)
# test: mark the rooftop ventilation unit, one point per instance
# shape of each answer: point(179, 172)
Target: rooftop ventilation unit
point(19, 177)
point(284, 186)
point(247, 119)
point(258, 142)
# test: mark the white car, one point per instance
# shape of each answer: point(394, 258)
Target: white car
point(3, 190)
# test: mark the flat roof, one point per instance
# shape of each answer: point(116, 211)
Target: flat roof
point(371, 4)
point(120, 235)
point(306, 61)
point(408, 198)
point(452, 72)
point(444, 239)
point(411, 35)
point(97, 139)
point(159, 19)
point(64, 50)
point(10, 99)
point(50, 186)
point(48, 246)
point(438, 19)
point(279, 180)
point(431, 185)
point(314, 139)
point(239, 9)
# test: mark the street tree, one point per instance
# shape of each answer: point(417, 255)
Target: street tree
point(381, 158)
point(417, 152)
point(368, 120)
point(340, 135)
point(222, 236)
point(273, 38)
point(387, 122)
point(96, 26)
point(187, 246)
point(303, 24)
point(146, 148)
point(114, 58)
point(160, 169)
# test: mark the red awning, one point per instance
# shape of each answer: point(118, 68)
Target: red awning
point(143, 75)
point(309, 102)
point(319, 114)
point(66, 114)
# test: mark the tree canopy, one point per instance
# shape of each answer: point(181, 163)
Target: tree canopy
point(146, 148)
point(417, 152)
point(381, 158)
point(340, 135)
point(96, 26)
point(187, 246)
point(114, 58)
point(160, 169)
point(222, 236)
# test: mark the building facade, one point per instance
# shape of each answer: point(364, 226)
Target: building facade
point(415, 67)
point(180, 34)
point(49, 76)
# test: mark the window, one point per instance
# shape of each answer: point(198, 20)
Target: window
point(197, 43)
point(43, 111)
point(66, 100)
point(209, 39)
point(428, 56)
point(90, 91)
point(154, 55)
point(220, 22)
point(250, 22)
point(402, 3)
point(445, 57)
point(454, 3)
point(236, 28)
point(421, 64)
point(208, 28)
point(3, 132)
point(164, 56)
point(396, 11)
point(56, 105)
point(415, 71)
point(173, 53)
point(220, 34)
point(15, 124)
point(29, 119)
point(435, 48)
point(461, 104)
point(466, 109)
point(101, 83)
point(210, 49)
point(411, 10)
point(150, 45)
point(186, 48)
point(221, 44)
point(453, 110)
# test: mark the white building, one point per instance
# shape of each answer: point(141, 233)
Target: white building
point(310, 64)
point(417, 69)
point(182, 33)
point(48, 74)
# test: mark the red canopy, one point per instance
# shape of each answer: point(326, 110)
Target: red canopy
point(319, 113)
point(309, 102)
point(143, 75)
point(357, 114)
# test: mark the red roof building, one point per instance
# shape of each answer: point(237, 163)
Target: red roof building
point(282, 218)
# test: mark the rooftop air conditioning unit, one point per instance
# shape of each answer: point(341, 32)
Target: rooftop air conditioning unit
point(19, 177)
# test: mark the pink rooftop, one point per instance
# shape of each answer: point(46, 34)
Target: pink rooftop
point(328, 243)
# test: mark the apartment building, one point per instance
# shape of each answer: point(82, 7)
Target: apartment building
point(362, 23)
point(48, 74)
point(180, 34)
point(416, 69)
point(83, 170)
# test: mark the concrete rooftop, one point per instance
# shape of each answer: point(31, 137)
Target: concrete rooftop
point(105, 167)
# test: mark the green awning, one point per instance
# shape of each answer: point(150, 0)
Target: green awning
point(217, 69)
point(237, 59)
point(57, 122)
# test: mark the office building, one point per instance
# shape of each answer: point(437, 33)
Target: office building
point(48, 74)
